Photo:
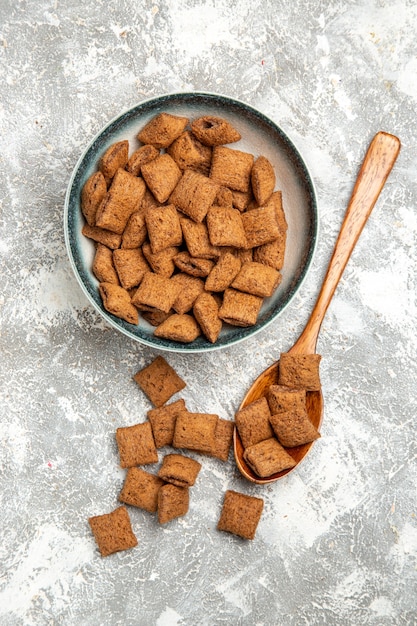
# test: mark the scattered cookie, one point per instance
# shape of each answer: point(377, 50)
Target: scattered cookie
point(136, 445)
point(173, 502)
point(159, 381)
point(252, 422)
point(293, 428)
point(268, 457)
point(179, 470)
point(300, 371)
point(113, 531)
point(195, 431)
point(240, 514)
point(141, 489)
point(163, 421)
point(223, 439)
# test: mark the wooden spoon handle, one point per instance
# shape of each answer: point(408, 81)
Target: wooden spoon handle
point(375, 169)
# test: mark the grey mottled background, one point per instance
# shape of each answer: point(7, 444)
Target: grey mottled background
point(337, 543)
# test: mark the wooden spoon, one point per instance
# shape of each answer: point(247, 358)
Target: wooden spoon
point(377, 165)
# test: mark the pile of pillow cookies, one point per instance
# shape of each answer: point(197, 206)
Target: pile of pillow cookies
point(167, 492)
point(190, 233)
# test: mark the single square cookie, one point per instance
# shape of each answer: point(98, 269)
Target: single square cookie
point(141, 156)
point(161, 175)
point(122, 199)
point(240, 309)
point(260, 226)
point(193, 265)
point(163, 262)
point(223, 273)
point(268, 457)
point(188, 152)
point(103, 266)
point(223, 439)
point(240, 514)
point(136, 445)
point(155, 292)
point(214, 131)
point(141, 489)
point(116, 301)
point(225, 227)
point(173, 502)
point(114, 158)
point(131, 266)
point(164, 229)
point(100, 235)
point(281, 398)
point(182, 328)
point(257, 279)
point(195, 431)
point(252, 422)
point(300, 371)
point(231, 168)
point(113, 531)
point(191, 287)
point(272, 253)
point(263, 180)
point(159, 381)
point(179, 470)
point(134, 235)
point(206, 312)
point(162, 130)
point(163, 421)
point(293, 428)
point(92, 194)
point(197, 239)
point(194, 195)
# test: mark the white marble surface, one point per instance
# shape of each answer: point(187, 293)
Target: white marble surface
point(337, 543)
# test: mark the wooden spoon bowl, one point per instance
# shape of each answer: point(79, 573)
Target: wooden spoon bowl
point(378, 163)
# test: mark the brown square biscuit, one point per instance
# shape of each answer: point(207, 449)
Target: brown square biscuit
point(116, 301)
point(161, 175)
point(224, 197)
point(159, 381)
point(141, 156)
point(134, 235)
point(258, 279)
point(223, 439)
point(252, 422)
point(300, 371)
point(103, 266)
point(92, 194)
point(197, 239)
point(164, 229)
point(240, 514)
point(223, 273)
point(163, 421)
point(136, 445)
point(163, 262)
point(293, 428)
point(113, 531)
point(225, 227)
point(194, 195)
point(281, 398)
point(206, 312)
point(240, 309)
point(193, 265)
point(231, 168)
point(162, 130)
point(155, 292)
point(191, 287)
point(272, 253)
point(188, 152)
point(241, 199)
point(268, 457)
point(263, 180)
point(141, 489)
point(261, 226)
point(100, 235)
point(131, 266)
point(195, 431)
point(173, 502)
point(214, 131)
point(114, 158)
point(182, 328)
point(123, 198)
point(276, 202)
point(179, 470)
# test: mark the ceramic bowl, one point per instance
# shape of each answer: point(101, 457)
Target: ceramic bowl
point(260, 136)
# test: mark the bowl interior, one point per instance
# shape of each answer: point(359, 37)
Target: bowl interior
point(260, 136)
